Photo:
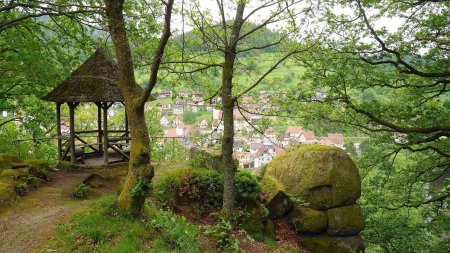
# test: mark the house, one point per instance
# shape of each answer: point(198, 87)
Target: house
point(178, 109)
point(307, 137)
point(247, 99)
point(165, 94)
point(244, 158)
point(336, 140)
point(177, 121)
point(184, 93)
point(255, 146)
point(165, 107)
point(294, 132)
point(262, 157)
point(164, 121)
point(170, 133)
point(203, 123)
point(270, 134)
point(255, 137)
point(284, 139)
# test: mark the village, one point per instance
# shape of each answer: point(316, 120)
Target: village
point(253, 147)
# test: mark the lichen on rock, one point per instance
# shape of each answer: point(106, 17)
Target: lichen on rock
point(324, 176)
point(346, 220)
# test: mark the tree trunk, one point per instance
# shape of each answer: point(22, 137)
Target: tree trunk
point(228, 136)
point(140, 170)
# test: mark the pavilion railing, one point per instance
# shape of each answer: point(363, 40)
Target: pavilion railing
point(163, 148)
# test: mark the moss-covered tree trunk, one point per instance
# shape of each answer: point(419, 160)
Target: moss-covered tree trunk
point(140, 171)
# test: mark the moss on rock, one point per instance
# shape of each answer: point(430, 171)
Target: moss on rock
point(7, 193)
point(35, 162)
point(307, 220)
point(324, 176)
point(328, 244)
point(10, 174)
point(346, 220)
point(7, 160)
point(276, 199)
point(256, 223)
point(270, 229)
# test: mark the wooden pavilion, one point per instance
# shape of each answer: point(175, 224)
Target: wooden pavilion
point(95, 81)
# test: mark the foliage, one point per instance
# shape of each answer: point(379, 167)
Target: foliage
point(81, 190)
point(247, 187)
point(204, 186)
point(223, 237)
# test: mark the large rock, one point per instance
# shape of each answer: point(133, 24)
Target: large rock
point(257, 223)
point(276, 199)
point(346, 220)
point(328, 244)
point(307, 220)
point(324, 176)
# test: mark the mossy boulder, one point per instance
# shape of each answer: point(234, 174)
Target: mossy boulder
point(324, 176)
point(307, 220)
point(346, 220)
point(257, 223)
point(328, 244)
point(276, 199)
point(36, 163)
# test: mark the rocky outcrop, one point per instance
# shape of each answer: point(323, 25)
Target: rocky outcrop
point(323, 176)
point(258, 224)
point(328, 183)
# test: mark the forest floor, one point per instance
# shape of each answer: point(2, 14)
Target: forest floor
point(33, 220)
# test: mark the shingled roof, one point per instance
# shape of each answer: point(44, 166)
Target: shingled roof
point(96, 80)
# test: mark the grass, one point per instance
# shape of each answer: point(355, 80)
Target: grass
point(101, 228)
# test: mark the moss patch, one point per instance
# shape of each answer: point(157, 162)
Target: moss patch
point(346, 220)
point(307, 220)
point(324, 176)
point(332, 244)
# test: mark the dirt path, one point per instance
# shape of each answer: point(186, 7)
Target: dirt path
point(34, 218)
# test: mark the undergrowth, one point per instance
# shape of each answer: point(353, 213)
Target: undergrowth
point(102, 228)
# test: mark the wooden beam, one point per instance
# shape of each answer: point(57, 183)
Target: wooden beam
point(105, 134)
point(120, 152)
point(99, 127)
point(72, 107)
point(58, 129)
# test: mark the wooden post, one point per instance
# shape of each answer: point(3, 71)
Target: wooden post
point(105, 134)
point(99, 127)
point(58, 129)
point(72, 131)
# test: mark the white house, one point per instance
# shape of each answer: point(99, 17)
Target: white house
point(262, 157)
point(203, 123)
point(164, 121)
point(178, 109)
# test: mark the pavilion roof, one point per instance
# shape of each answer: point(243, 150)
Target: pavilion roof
point(96, 80)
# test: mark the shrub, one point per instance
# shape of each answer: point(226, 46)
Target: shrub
point(203, 186)
point(81, 190)
point(222, 236)
point(247, 188)
point(174, 232)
